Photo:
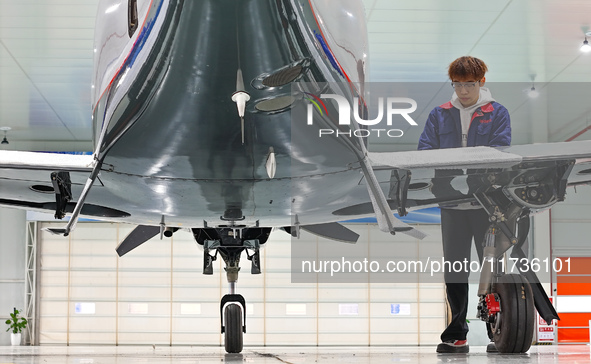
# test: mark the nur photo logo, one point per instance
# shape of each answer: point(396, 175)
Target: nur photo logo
point(387, 106)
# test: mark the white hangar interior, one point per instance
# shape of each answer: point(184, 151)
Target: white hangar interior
point(76, 291)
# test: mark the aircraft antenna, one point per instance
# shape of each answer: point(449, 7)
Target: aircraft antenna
point(240, 97)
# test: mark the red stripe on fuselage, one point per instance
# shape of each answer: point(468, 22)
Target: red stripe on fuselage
point(351, 85)
point(125, 60)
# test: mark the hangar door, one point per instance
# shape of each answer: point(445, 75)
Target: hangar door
point(158, 295)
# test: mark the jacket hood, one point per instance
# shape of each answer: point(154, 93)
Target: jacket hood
point(484, 98)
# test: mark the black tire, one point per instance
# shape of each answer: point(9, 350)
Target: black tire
point(233, 332)
point(513, 328)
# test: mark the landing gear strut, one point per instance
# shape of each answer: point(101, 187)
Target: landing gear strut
point(229, 242)
point(507, 300)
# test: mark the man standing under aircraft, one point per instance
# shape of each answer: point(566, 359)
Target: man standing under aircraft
point(472, 118)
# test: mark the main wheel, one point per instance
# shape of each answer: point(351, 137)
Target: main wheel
point(513, 327)
point(233, 331)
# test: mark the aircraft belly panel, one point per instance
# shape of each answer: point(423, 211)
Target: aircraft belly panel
point(191, 202)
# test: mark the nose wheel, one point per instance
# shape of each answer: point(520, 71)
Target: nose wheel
point(512, 325)
point(233, 322)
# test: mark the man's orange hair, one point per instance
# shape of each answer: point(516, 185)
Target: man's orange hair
point(467, 68)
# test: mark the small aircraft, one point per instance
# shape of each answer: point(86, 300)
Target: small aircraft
point(195, 112)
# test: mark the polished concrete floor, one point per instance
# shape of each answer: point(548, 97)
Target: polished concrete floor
point(342, 355)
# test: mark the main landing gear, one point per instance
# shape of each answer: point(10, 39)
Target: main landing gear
point(229, 242)
point(507, 300)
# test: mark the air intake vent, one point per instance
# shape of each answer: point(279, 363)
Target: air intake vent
point(283, 76)
point(275, 104)
point(42, 188)
point(418, 186)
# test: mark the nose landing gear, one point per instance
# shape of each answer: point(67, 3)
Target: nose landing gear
point(229, 242)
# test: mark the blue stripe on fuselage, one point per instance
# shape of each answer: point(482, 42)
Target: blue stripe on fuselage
point(142, 38)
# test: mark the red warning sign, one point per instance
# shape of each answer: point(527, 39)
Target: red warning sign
point(545, 331)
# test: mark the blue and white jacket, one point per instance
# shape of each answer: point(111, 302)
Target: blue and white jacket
point(490, 126)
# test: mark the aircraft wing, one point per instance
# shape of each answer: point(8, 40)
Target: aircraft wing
point(36, 161)
point(483, 157)
point(47, 182)
point(477, 157)
point(536, 174)
point(409, 180)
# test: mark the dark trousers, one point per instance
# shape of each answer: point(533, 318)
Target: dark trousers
point(458, 227)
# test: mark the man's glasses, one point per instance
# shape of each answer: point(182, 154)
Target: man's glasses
point(466, 85)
